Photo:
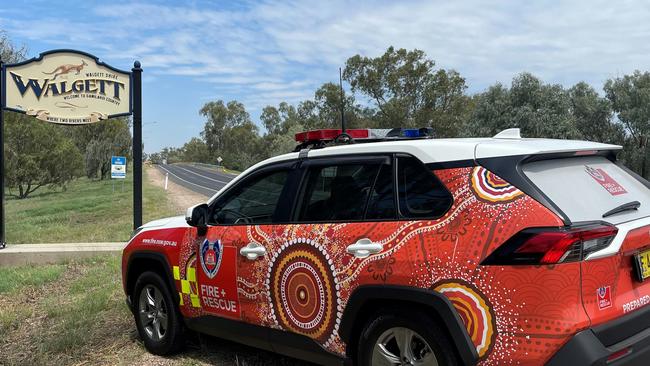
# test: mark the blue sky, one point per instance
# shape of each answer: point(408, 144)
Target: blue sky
point(265, 52)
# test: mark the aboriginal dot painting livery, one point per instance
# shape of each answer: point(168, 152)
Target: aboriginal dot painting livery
point(514, 303)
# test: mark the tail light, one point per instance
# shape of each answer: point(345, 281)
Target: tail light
point(552, 245)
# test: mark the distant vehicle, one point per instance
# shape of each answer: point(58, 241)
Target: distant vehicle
point(409, 250)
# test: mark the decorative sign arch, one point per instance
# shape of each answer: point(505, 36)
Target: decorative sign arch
point(73, 88)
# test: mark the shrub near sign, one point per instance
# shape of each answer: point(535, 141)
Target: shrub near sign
point(67, 87)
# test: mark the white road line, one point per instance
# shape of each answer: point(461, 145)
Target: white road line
point(202, 176)
point(194, 184)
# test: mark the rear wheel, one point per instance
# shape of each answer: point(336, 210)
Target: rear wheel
point(157, 319)
point(408, 338)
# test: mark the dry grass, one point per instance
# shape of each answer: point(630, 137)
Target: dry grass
point(74, 314)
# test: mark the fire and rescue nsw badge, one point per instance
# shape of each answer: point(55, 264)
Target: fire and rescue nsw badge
point(211, 254)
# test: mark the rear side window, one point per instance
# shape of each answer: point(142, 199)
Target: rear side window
point(344, 193)
point(587, 187)
point(253, 201)
point(420, 192)
point(381, 205)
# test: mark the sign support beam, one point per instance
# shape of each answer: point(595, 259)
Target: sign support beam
point(137, 144)
point(3, 241)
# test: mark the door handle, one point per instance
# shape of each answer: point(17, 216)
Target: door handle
point(364, 247)
point(252, 251)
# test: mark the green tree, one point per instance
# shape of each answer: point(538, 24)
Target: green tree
point(538, 109)
point(408, 91)
point(593, 115)
point(196, 150)
point(221, 116)
point(38, 154)
point(242, 146)
point(99, 141)
point(630, 99)
point(9, 52)
point(277, 121)
point(230, 133)
point(281, 124)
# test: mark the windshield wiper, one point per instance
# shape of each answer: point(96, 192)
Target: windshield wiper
point(634, 205)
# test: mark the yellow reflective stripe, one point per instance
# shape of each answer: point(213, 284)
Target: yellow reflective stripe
point(191, 274)
point(180, 296)
point(185, 286)
point(177, 273)
point(195, 301)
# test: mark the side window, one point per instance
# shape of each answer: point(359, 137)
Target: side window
point(382, 196)
point(337, 192)
point(421, 194)
point(251, 202)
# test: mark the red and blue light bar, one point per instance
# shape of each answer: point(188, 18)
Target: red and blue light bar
point(363, 134)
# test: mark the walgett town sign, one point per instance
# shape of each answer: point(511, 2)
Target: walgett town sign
point(73, 88)
point(67, 88)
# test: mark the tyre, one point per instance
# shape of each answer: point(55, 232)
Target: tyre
point(156, 316)
point(406, 337)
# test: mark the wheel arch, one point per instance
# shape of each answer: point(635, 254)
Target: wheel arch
point(366, 300)
point(141, 262)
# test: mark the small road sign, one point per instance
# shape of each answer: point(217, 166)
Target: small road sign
point(118, 167)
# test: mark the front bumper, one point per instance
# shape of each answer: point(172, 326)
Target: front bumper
point(627, 337)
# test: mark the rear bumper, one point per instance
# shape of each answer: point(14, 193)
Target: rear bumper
point(629, 336)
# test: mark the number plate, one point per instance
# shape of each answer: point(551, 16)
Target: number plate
point(642, 264)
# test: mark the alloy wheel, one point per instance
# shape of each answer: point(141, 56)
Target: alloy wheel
point(153, 312)
point(402, 346)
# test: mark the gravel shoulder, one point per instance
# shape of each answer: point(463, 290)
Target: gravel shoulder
point(181, 197)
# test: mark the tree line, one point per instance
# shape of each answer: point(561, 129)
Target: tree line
point(403, 88)
point(39, 154)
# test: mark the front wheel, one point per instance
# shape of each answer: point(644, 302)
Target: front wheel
point(156, 317)
point(404, 338)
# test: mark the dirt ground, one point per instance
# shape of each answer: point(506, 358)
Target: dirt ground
point(181, 197)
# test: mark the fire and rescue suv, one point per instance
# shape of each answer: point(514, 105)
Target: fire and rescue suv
point(409, 250)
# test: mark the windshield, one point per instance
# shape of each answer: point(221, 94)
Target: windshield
point(585, 188)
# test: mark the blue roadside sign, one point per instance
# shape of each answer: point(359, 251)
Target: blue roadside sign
point(118, 167)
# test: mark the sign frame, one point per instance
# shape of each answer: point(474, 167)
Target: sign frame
point(134, 109)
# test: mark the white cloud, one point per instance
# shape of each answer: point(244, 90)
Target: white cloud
point(292, 47)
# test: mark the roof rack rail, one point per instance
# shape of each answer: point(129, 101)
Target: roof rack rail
point(316, 139)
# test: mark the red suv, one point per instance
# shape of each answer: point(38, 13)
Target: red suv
point(413, 251)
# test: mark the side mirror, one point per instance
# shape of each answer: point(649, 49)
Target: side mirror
point(197, 215)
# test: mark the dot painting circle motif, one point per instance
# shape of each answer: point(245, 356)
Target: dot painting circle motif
point(303, 290)
point(474, 310)
point(492, 188)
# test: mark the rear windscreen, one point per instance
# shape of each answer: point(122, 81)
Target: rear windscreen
point(585, 188)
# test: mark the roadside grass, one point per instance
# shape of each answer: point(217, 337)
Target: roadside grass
point(87, 211)
point(14, 278)
point(76, 315)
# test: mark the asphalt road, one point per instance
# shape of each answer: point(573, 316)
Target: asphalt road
point(204, 181)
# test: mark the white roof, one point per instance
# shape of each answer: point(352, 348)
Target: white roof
point(444, 150)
